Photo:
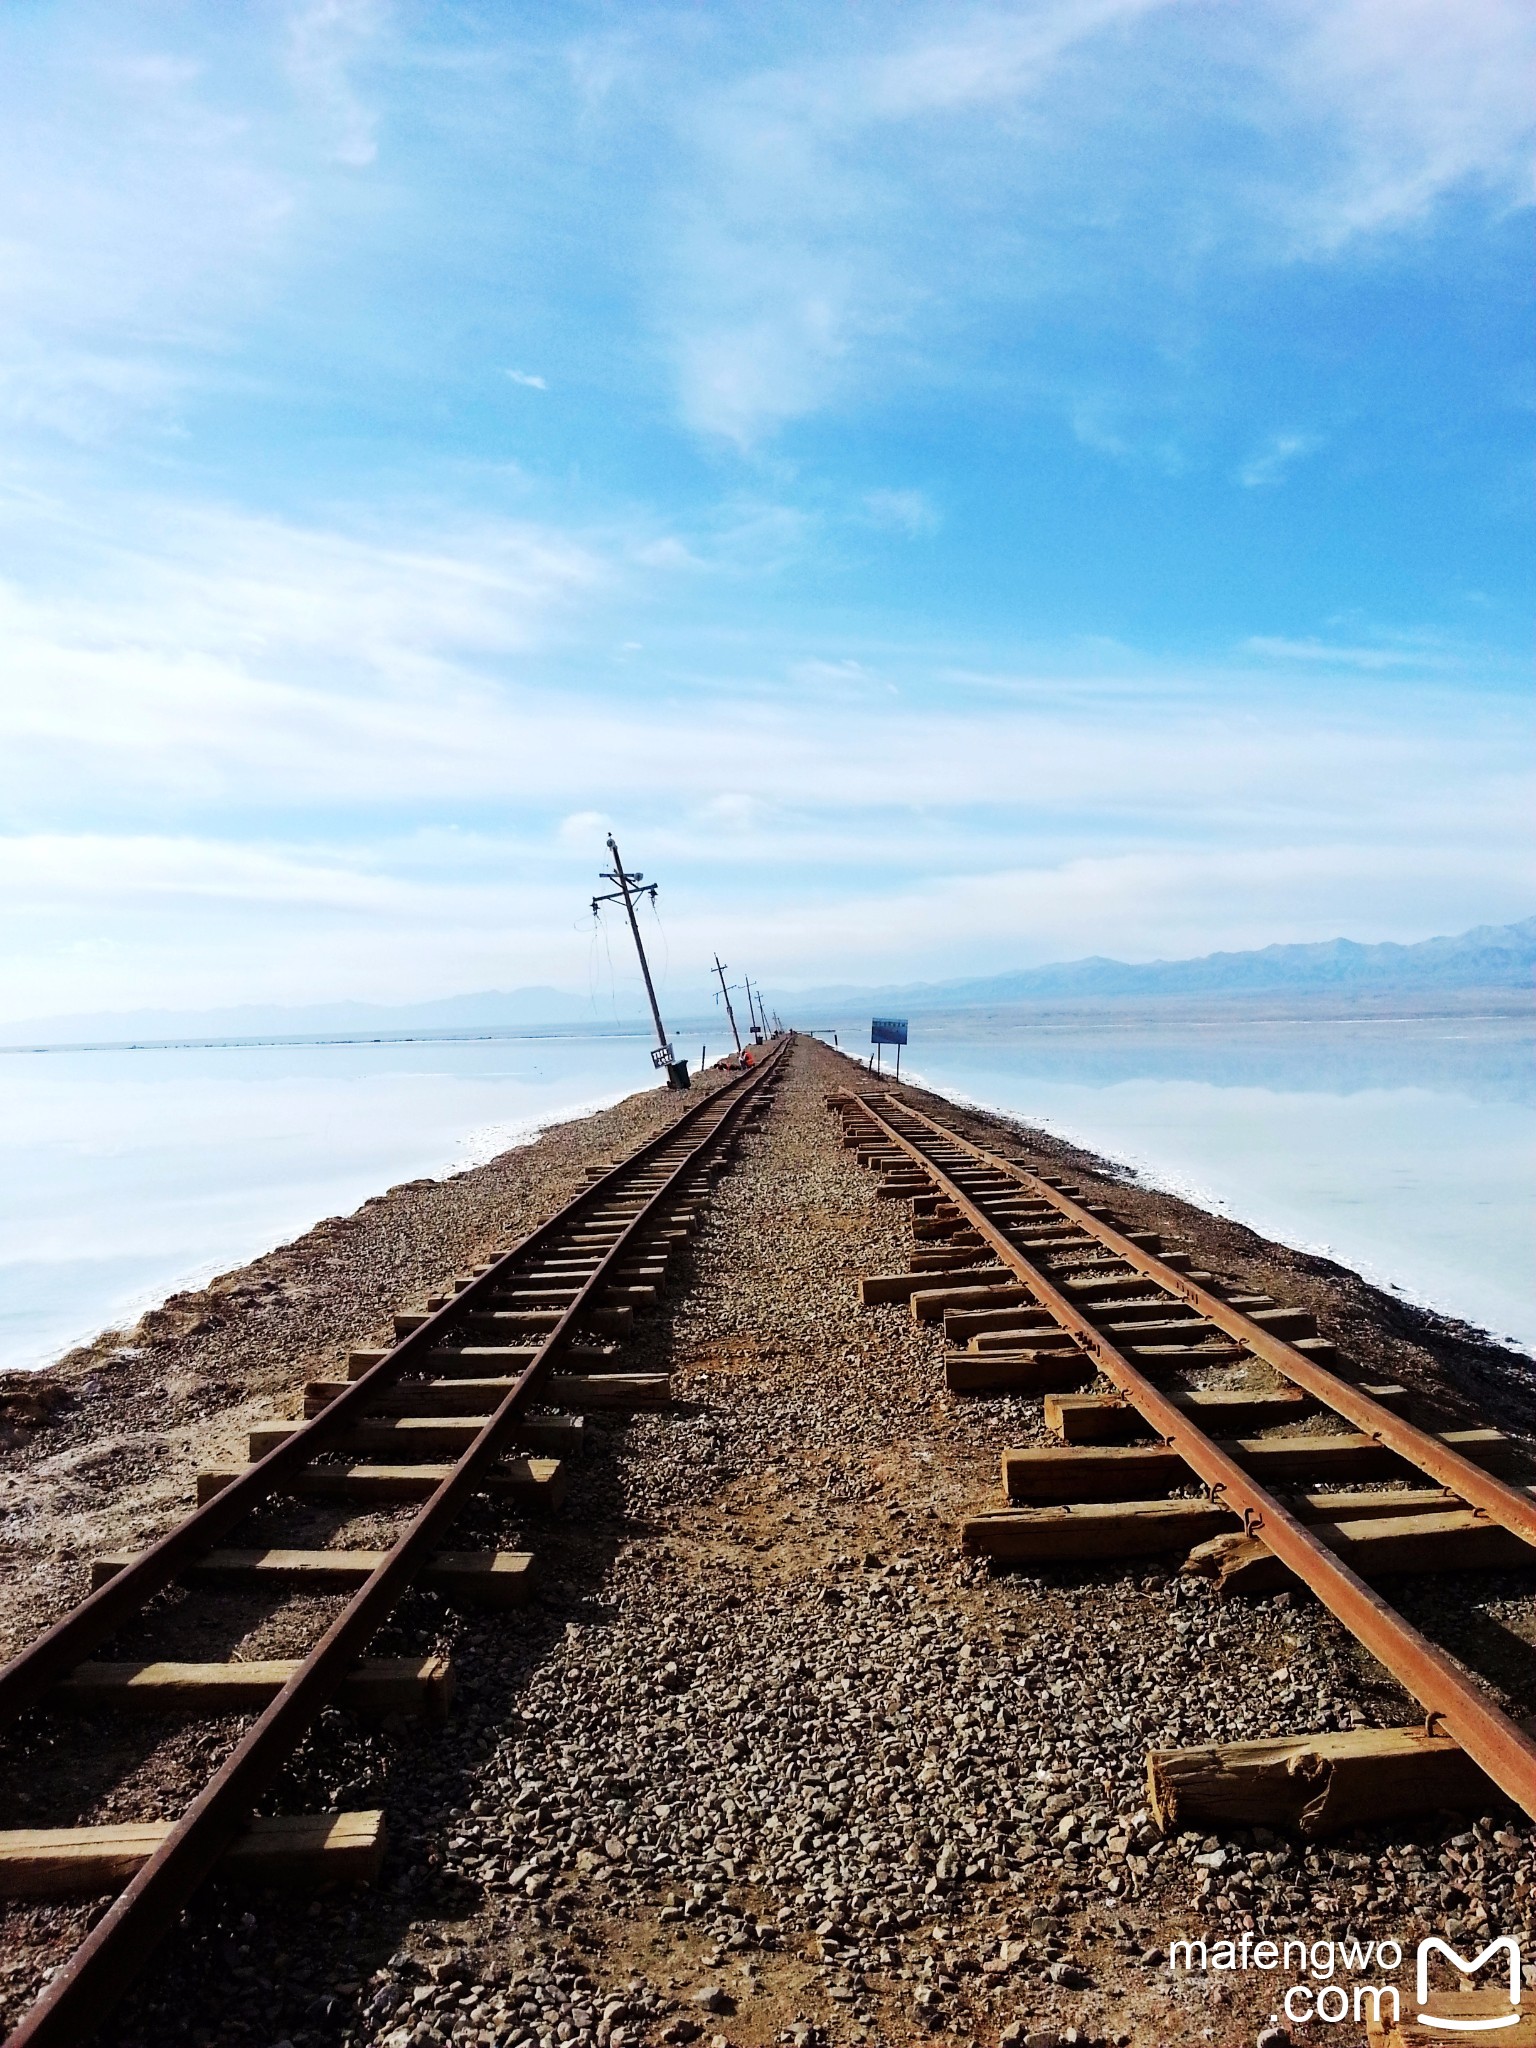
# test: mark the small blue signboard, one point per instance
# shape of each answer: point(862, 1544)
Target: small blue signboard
point(888, 1031)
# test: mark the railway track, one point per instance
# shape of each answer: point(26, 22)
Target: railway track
point(1229, 1432)
point(470, 1403)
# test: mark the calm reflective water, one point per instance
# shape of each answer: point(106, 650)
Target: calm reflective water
point(1403, 1147)
point(127, 1175)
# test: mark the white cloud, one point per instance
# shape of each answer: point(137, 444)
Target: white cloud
point(1334, 654)
point(987, 56)
point(1142, 904)
point(848, 842)
point(325, 40)
point(246, 662)
point(904, 511)
point(668, 552)
point(207, 712)
point(825, 227)
point(834, 215)
point(735, 812)
point(152, 200)
point(585, 831)
point(1416, 99)
point(234, 647)
point(115, 869)
point(85, 395)
point(767, 347)
point(118, 921)
point(1274, 461)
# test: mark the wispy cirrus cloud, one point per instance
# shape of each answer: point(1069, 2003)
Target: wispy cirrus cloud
point(910, 512)
point(1401, 103)
point(860, 215)
point(1413, 656)
point(326, 648)
point(798, 262)
point(301, 666)
point(1273, 462)
point(133, 252)
point(326, 40)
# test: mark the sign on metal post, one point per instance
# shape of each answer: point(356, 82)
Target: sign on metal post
point(888, 1031)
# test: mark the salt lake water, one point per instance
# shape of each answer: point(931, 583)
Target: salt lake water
point(125, 1175)
point(1402, 1147)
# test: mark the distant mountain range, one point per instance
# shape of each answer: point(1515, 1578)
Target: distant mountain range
point(1489, 957)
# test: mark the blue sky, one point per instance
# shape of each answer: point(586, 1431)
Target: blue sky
point(952, 487)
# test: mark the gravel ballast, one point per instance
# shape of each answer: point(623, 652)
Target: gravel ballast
point(768, 1759)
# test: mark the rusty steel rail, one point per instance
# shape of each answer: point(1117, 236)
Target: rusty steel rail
point(1495, 1743)
point(79, 1996)
point(53, 1654)
point(1501, 1503)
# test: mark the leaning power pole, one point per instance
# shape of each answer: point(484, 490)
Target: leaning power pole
point(626, 893)
point(757, 1029)
point(728, 1010)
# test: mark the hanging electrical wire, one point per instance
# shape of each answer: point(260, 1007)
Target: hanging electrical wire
point(666, 944)
point(600, 930)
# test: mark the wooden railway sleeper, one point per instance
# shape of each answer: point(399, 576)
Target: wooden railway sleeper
point(1505, 1752)
point(112, 1952)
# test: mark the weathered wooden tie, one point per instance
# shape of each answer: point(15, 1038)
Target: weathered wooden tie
point(1142, 1314)
point(470, 1578)
point(1472, 2013)
point(479, 1395)
point(1024, 1323)
point(986, 1287)
point(532, 1482)
point(1110, 1418)
point(1316, 1784)
point(1451, 1539)
point(1083, 1530)
point(1113, 1472)
point(304, 1848)
point(379, 1685)
point(1017, 1372)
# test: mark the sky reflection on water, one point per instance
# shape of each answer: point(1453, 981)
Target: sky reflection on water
point(127, 1175)
point(1401, 1147)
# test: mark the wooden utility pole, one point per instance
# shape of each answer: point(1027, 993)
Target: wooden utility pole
point(758, 1031)
point(728, 1010)
point(627, 892)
